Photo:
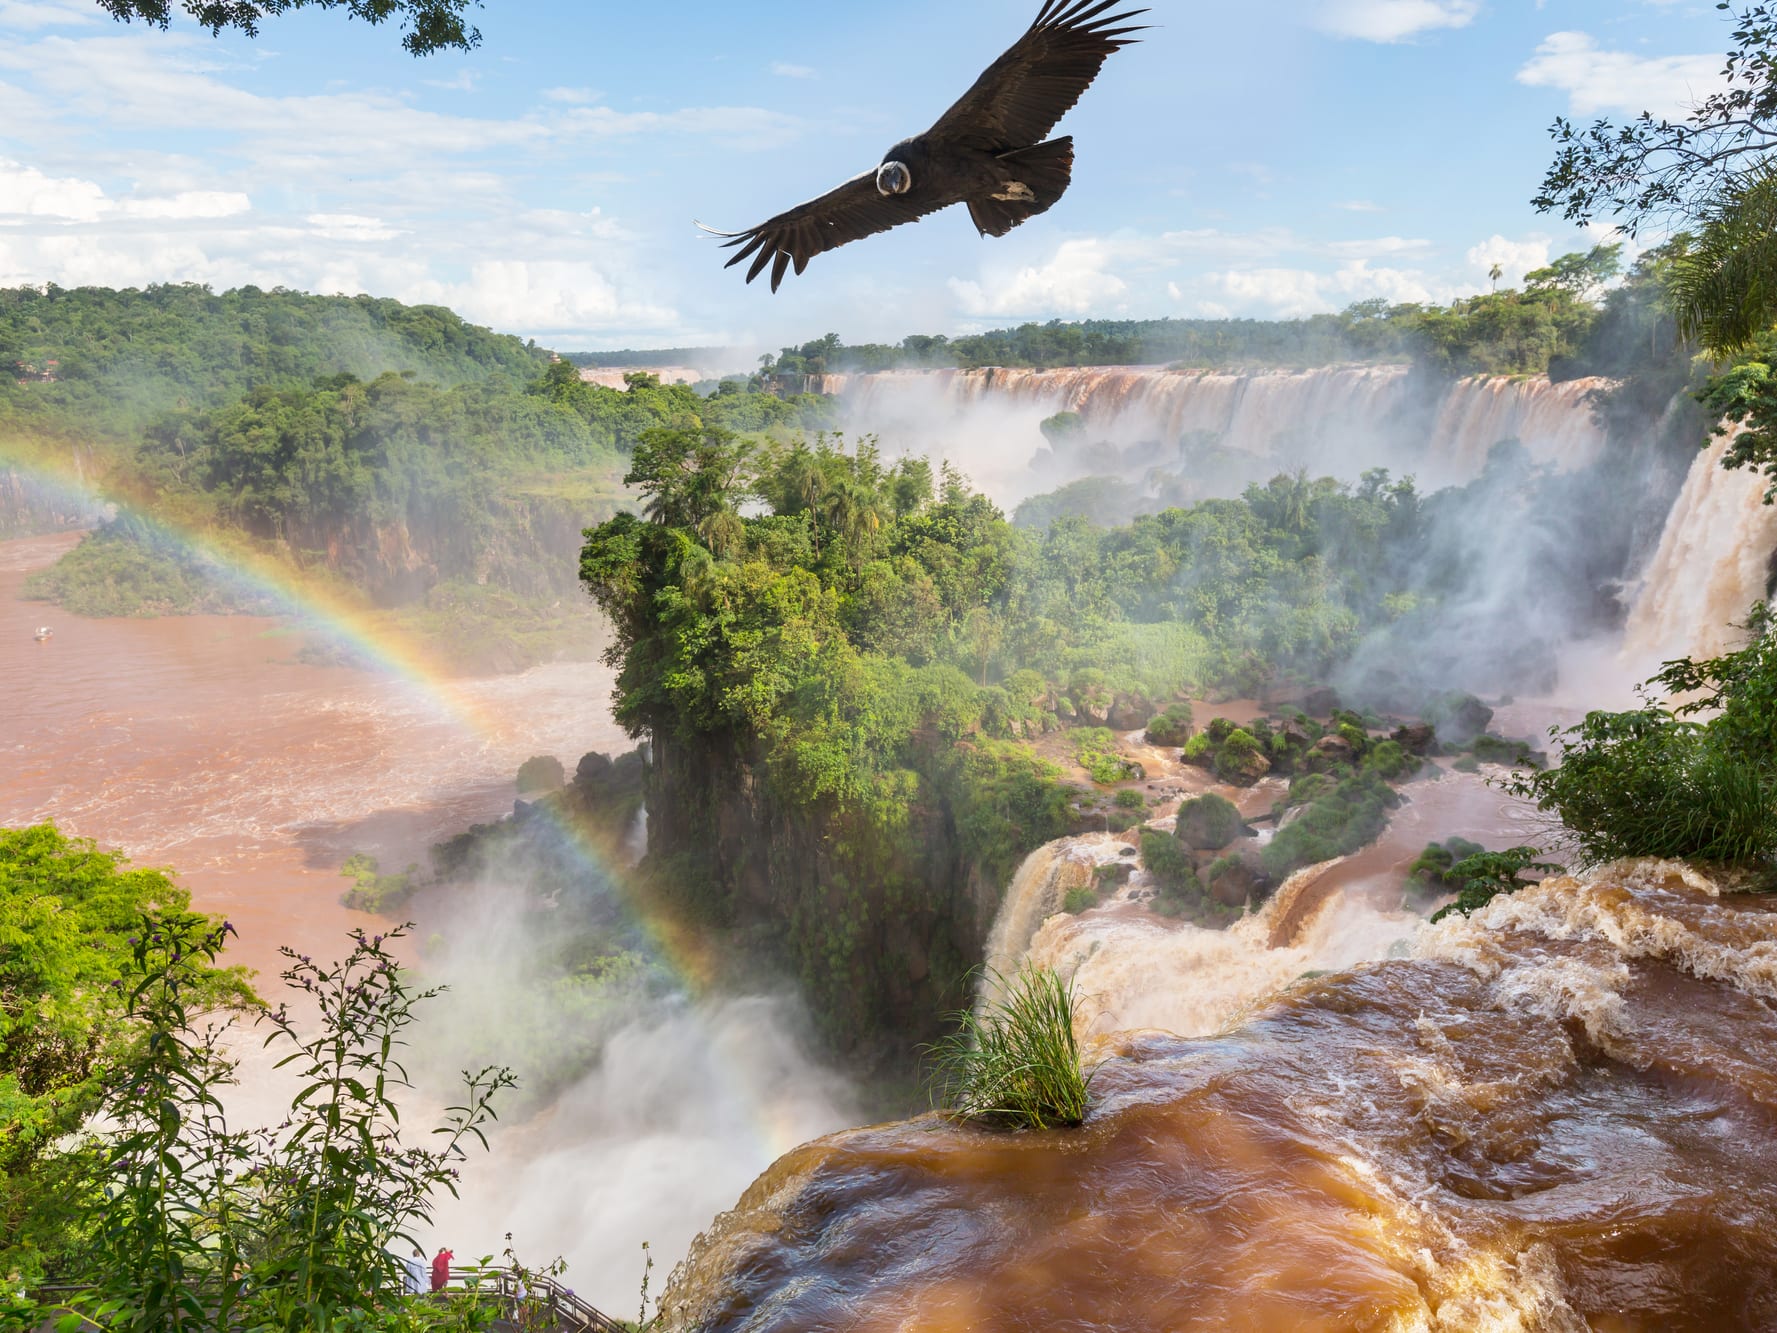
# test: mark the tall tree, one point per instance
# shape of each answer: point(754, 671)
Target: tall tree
point(1712, 169)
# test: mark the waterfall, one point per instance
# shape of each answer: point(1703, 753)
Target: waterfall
point(1714, 561)
point(635, 839)
point(1339, 419)
point(1036, 893)
point(1133, 970)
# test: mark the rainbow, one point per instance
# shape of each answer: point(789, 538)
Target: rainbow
point(338, 614)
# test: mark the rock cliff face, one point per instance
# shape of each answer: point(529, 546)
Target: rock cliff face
point(880, 925)
point(528, 544)
point(29, 506)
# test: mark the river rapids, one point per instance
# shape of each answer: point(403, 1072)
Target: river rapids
point(1556, 1115)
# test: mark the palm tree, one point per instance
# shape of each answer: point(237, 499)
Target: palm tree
point(1496, 273)
point(1724, 289)
point(723, 533)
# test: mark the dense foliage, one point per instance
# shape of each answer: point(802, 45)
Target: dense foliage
point(1657, 782)
point(70, 921)
point(421, 460)
point(203, 1227)
point(121, 358)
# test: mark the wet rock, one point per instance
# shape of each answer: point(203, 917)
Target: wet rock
point(1331, 752)
point(1417, 738)
point(1130, 712)
point(1321, 703)
point(1238, 876)
point(1459, 718)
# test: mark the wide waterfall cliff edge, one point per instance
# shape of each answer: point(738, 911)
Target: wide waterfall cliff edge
point(1557, 1114)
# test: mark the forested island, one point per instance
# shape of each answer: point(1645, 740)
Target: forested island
point(412, 462)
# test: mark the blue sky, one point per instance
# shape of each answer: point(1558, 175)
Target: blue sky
point(1247, 158)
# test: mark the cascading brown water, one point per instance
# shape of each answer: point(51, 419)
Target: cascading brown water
point(1555, 1116)
point(1714, 561)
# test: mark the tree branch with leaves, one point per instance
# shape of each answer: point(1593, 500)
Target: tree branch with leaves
point(428, 25)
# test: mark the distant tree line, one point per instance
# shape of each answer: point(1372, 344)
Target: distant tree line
point(1543, 326)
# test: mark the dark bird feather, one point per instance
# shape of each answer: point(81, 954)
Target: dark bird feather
point(988, 150)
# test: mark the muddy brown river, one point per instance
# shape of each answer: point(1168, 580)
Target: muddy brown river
point(202, 744)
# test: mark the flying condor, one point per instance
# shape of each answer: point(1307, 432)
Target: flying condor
point(991, 150)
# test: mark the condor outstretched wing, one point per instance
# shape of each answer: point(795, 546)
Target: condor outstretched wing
point(1026, 92)
point(855, 210)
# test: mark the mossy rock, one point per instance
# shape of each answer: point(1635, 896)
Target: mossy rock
point(1209, 823)
point(1172, 728)
point(1241, 760)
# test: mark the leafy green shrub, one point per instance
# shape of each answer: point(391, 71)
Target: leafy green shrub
point(1467, 764)
point(1130, 799)
point(1018, 1063)
point(1079, 900)
point(1107, 770)
point(373, 891)
point(1484, 876)
point(1208, 823)
point(1491, 749)
point(1336, 823)
point(1389, 761)
point(1219, 731)
point(204, 1228)
point(1199, 750)
point(1432, 868)
point(1654, 783)
point(1173, 727)
point(1169, 865)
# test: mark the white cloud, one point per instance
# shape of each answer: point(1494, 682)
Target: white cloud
point(1279, 291)
point(546, 296)
point(463, 81)
point(1598, 80)
point(28, 17)
point(1292, 293)
point(1395, 20)
point(1075, 282)
point(189, 204)
point(784, 71)
point(26, 192)
point(1359, 206)
point(351, 227)
point(1515, 258)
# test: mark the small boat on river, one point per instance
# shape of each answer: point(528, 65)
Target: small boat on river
point(44, 634)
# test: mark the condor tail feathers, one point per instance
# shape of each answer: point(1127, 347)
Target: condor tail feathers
point(1036, 179)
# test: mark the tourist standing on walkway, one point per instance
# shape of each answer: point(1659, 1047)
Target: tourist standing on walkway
point(441, 1270)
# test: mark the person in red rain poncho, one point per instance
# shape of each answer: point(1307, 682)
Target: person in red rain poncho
point(441, 1270)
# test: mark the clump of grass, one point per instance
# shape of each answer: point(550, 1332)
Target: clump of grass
point(1016, 1063)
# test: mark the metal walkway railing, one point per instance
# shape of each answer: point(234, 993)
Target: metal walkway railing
point(534, 1305)
point(538, 1303)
